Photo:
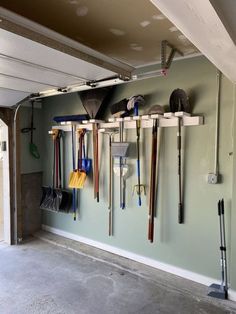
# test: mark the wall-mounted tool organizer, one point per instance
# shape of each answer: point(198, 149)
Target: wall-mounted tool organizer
point(113, 125)
point(169, 119)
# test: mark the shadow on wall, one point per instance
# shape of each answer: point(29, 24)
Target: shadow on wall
point(30, 197)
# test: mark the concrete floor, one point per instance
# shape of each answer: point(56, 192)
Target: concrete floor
point(41, 277)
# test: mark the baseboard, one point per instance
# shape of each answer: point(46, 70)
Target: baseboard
point(141, 259)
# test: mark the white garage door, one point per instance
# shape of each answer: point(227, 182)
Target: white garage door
point(28, 67)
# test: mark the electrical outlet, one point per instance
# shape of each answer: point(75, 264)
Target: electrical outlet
point(212, 178)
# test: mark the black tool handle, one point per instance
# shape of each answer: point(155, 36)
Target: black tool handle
point(222, 207)
point(219, 208)
point(180, 205)
point(32, 122)
point(181, 213)
point(59, 160)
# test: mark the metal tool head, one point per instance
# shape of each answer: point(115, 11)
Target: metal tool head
point(218, 291)
point(156, 109)
point(142, 189)
point(137, 100)
point(179, 101)
point(110, 131)
point(120, 170)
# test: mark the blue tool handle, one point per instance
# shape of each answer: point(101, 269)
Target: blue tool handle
point(136, 109)
point(73, 204)
point(139, 201)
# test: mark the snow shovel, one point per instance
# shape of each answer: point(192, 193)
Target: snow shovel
point(179, 102)
point(55, 198)
point(221, 291)
point(60, 197)
point(48, 192)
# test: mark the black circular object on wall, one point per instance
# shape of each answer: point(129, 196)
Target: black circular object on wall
point(179, 101)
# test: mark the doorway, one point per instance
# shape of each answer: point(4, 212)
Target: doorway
point(5, 222)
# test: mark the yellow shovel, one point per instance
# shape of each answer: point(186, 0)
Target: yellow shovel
point(77, 179)
point(78, 176)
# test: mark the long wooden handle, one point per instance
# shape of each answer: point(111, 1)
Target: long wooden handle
point(152, 184)
point(180, 205)
point(94, 161)
point(110, 199)
point(97, 165)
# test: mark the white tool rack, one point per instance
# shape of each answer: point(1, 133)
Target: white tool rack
point(168, 119)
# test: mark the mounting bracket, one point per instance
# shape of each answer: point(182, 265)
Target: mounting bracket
point(166, 61)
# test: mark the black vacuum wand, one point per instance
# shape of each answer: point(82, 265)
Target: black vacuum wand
point(221, 291)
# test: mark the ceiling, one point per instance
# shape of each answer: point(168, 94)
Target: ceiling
point(46, 45)
point(126, 30)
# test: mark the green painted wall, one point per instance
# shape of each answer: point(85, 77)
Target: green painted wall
point(193, 245)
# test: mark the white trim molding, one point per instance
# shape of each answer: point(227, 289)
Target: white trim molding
point(139, 258)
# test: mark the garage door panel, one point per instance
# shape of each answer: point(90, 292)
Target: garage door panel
point(28, 71)
point(19, 47)
point(10, 97)
point(19, 84)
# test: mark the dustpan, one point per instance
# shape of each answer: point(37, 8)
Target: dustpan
point(119, 149)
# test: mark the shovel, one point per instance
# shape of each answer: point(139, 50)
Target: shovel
point(179, 102)
point(86, 162)
point(78, 176)
point(55, 198)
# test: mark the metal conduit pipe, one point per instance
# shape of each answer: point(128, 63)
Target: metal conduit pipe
point(15, 223)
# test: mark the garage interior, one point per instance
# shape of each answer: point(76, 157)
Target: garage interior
point(86, 226)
